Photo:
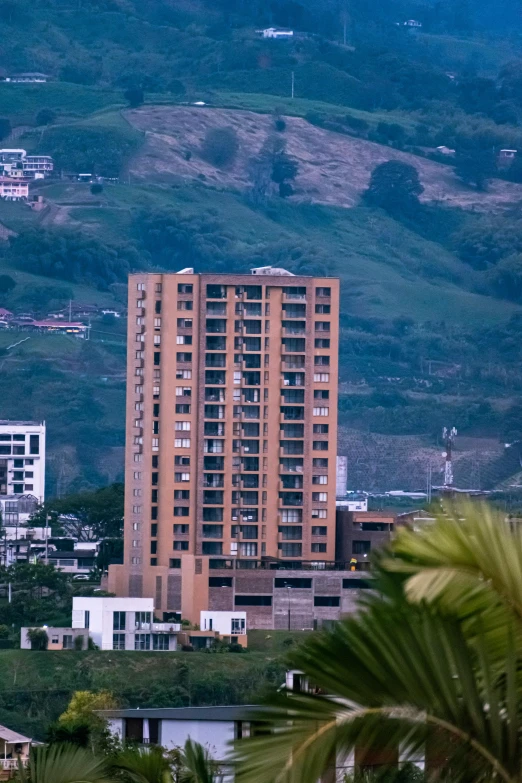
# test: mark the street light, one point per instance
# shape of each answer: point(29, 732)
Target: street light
point(289, 611)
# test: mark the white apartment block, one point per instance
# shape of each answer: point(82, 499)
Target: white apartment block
point(22, 469)
point(123, 624)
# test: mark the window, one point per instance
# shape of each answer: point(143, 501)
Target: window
point(355, 584)
point(158, 288)
point(319, 479)
point(318, 547)
point(212, 531)
point(157, 306)
point(319, 462)
point(184, 339)
point(290, 515)
point(160, 641)
point(319, 530)
point(181, 477)
point(67, 642)
point(184, 323)
point(321, 343)
point(136, 543)
point(136, 525)
point(321, 291)
point(247, 549)
point(181, 546)
point(140, 286)
point(136, 509)
point(212, 514)
point(322, 326)
point(157, 323)
point(321, 360)
point(319, 513)
point(253, 600)
point(55, 639)
point(34, 444)
point(118, 641)
point(212, 548)
point(135, 560)
point(142, 641)
point(320, 497)
point(321, 411)
point(137, 493)
point(185, 374)
point(182, 425)
point(216, 291)
point(182, 443)
point(185, 305)
point(181, 494)
point(361, 547)
point(291, 533)
point(291, 550)
point(181, 511)
point(327, 600)
point(296, 582)
point(175, 562)
point(321, 394)
point(118, 621)
point(323, 308)
point(185, 288)
point(321, 429)
point(184, 357)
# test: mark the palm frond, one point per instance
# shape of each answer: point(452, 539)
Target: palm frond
point(65, 764)
point(143, 765)
point(198, 765)
point(396, 672)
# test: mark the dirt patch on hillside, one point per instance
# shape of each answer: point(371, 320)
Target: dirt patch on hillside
point(333, 168)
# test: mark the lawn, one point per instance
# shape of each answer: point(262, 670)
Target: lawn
point(22, 102)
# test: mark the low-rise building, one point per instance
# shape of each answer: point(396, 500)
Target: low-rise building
point(13, 189)
point(14, 748)
point(358, 533)
point(72, 562)
point(276, 32)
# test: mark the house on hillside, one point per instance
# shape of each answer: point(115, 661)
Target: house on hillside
point(14, 747)
point(31, 77)
point(13, 189)
point(277, 33)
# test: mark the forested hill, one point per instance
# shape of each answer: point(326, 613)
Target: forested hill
point(432, 293)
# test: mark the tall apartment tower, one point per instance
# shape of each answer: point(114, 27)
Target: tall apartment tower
point(231, 437)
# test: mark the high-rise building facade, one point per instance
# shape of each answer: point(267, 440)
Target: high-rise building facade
point(231, 438)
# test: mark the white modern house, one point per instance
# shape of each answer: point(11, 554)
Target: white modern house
point(214, 727)
point(124, 624)
point(22, 464)
point(276, 32)
point(225, 623)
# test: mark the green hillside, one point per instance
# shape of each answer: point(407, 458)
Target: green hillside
point(413, 294)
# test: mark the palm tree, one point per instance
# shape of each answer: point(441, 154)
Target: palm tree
point(62, 764)
point(143, 765)
point(197, 765)
point(432, 662)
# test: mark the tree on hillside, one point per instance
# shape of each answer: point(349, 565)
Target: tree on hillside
point(45, 117)
point(394, 186)
point(6, 284)
point(506, 277)
point(284, 171)
point(5, 128)
point(134, 96)
point(220, 146)
point(475, 166)
point(84, 705)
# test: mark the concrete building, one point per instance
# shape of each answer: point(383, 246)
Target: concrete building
point(361, 532)
point(231, 430)
point(13, 189)
point(276, 33)
point(22, 462)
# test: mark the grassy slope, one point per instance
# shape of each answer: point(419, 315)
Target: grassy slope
point(35, 687)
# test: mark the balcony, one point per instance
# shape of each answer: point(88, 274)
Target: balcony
point(165, 627)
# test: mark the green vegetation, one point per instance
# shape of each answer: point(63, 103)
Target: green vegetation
point(36, 687)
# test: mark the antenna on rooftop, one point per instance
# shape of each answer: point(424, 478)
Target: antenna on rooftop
point(448, 436)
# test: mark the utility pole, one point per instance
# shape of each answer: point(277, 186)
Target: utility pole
point(428, 482)
point(293, 83)
point(46, 540)
point(70, 310)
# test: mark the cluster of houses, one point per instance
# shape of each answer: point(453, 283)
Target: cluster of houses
point(18, 170)
point(57, 322)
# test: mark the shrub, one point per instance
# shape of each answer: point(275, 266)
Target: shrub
point(96, 188)
point(280, 125)
point(356, 124)
point(187, 648)
point(45, 117)
point(6, 284)
point(235, 647)
point(38, 638)
point(134, 96)
point(78, 643)
point(220, 146)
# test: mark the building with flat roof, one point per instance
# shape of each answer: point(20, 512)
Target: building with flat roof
point(231, 438)
point(22, 466)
